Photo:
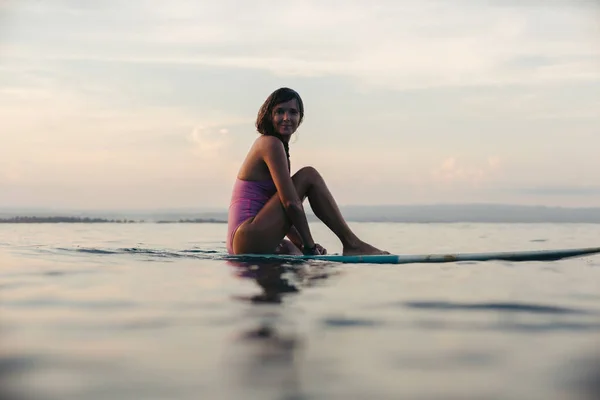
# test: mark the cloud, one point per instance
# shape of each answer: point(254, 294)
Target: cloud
point(170, 92)
point(58, 136)
point(493, 162)
point(453, 171)
point(9, 173)
point(209, 142)
point(400, 44)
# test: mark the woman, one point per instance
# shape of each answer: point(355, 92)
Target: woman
point(266, 204)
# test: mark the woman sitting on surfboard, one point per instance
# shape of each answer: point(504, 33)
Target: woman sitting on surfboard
point(266, 204)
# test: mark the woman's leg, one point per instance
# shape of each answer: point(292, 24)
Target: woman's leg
point(288, 248)
point(265, 231)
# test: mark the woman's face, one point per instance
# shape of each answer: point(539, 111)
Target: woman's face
point(286, 117)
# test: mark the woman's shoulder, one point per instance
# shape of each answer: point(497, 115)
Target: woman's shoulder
point(268, 142)
point(267, 139)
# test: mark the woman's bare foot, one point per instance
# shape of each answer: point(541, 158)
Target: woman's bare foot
point(362, 249)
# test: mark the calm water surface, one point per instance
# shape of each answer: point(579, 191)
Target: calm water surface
point(150, 311)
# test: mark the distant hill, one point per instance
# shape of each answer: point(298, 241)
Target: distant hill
point(385, 213)
point(472, 213)
point(95, 220)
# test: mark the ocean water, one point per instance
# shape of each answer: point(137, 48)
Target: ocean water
point(150, 311)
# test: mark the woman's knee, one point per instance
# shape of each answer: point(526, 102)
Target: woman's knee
point(308, 174)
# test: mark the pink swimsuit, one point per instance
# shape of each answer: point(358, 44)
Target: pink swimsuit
point(247, 199)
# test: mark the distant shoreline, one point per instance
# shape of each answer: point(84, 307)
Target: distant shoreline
point(91, 220)
point(440, 213)
point(311, 218)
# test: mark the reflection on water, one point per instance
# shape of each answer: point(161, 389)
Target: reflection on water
point(270, 361)
point(270, 277)
point(11, 369)
point(276, 278)
point(124, 316)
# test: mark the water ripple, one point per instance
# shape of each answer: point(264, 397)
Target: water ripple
point(87, 250)
point(536, 327)
point(87, 305)
point(200, 251)
point(343, 322)
point(503, 307)
point(187, 253)
point(443, 362)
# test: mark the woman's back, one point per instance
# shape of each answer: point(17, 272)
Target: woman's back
point(254, 167)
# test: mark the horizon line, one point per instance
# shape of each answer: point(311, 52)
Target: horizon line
point(224, 208)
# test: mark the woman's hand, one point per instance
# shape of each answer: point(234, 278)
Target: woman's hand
point(320, 249)
point(316, 250)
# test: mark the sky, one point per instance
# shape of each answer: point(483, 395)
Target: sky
point(144, 104)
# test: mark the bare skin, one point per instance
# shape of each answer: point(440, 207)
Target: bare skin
point(287, 247)
point(284, 214)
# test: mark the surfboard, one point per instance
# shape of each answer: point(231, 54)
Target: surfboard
point(514, 256)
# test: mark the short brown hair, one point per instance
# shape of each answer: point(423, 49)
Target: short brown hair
point(264, 123)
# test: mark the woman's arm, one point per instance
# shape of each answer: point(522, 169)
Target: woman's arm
point(295, 237)
point(274, 156)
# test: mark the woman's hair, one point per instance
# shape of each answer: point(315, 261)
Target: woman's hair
point(264, 120)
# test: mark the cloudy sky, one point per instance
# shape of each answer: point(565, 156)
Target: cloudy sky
point(151, 104)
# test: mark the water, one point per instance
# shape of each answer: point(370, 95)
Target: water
point(148, 311)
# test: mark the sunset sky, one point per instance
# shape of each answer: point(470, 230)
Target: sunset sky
point(151, 104)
